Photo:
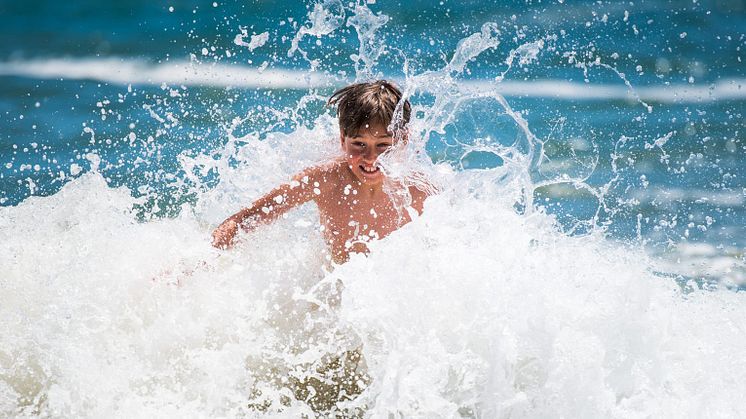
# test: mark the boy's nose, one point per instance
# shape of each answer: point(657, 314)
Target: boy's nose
point(370, 154)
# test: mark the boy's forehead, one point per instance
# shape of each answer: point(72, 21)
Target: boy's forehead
point(374, 129)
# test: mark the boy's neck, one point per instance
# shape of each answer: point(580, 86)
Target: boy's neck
point(371, 191)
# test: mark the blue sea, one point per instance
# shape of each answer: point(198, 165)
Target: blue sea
point(584, 257)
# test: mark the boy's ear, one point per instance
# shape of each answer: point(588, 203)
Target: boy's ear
point(341, 139)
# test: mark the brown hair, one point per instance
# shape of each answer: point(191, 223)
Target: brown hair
point(369, 103)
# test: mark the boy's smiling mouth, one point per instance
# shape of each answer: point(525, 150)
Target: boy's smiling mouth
point(369, 169)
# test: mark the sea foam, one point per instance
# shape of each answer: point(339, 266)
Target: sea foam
point(194, 73)
point(470, 310)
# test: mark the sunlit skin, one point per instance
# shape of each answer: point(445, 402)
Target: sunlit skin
point(348, 191)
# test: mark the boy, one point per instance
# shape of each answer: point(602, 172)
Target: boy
point(349, 190)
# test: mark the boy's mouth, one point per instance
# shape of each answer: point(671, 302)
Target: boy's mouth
point(369, 169)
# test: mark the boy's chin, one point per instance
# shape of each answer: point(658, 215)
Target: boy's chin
point(369, 178)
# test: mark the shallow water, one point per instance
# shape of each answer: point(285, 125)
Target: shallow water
point(584, 256)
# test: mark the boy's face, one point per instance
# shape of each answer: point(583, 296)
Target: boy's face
point(362, 151)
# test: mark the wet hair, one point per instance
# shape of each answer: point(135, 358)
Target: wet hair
point(369, 103)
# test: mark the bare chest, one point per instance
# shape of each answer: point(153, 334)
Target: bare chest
point(348, 225)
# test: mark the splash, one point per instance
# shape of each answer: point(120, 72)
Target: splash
point(256, 41)
point(324, 19)
point(366, 25)
point(481, 307)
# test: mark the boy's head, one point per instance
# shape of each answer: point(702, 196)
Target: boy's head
point(366, 111)
point(366, 104)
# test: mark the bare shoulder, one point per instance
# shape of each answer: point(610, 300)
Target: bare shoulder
point(322, 177)
point(315, 173)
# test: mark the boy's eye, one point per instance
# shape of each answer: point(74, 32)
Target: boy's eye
point(384, 146)
point(358, 144)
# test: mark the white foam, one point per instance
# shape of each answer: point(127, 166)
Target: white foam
point(474, 308)
point(703, 261)
point(470, 308)
point(561, 89)
point(672, 195)
point(121, 71)
point(129, 71)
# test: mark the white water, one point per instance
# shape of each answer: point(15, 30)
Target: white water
point(129, 71)
point(471, 310)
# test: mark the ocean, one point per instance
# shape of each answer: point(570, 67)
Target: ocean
point(584, 256)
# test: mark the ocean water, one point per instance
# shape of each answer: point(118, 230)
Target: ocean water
point(583, 258)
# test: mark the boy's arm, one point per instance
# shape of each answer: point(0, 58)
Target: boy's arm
point(267, 208)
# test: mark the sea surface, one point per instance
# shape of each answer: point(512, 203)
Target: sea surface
point(583, 258)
